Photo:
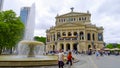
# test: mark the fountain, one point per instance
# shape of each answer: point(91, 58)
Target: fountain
point(30, 53)
point(30, 48)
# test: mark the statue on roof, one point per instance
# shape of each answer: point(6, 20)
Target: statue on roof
point(72, 9)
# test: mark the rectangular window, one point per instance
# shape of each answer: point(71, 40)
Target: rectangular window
point(100, 37)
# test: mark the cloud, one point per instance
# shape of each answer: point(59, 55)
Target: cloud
point(104, 13)
point(110, 7)
point(107, 15)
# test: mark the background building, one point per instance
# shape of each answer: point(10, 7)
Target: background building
point(1, 5)
point(74, 31)
point(27, 15)
point(24, 13)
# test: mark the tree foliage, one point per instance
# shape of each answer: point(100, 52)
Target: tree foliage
point(109, 46)
point(11, 29)
point(41, 39)
point(118, 45)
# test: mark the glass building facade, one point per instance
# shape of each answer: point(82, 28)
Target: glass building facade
point(1, 4)
point(24, 13)
point(27, 15)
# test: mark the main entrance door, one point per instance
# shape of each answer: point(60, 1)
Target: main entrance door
point(68, 46)
point(89, 46)
point(75, 46)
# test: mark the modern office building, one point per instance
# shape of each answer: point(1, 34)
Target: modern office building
point(27, 15)
point(1, 4)
point(24, 13)
point(74, 31)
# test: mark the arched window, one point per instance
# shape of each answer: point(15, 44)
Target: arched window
point(84, 18)
point(67, 46)
point(79, 19)
point(64, 20)
point(75, 46)
point(53, 47)
point(81, 36)
point(62, 46)
point(59, 20)
point(89, 47)
point(69, 34)
point(64, 34)
point(54, 37)
point(75, 34)
point(58, 35)
point(88, 36)
point(74, 19)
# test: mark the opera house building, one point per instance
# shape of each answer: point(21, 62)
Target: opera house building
point(74, 31)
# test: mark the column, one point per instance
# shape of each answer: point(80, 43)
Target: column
point(84, 35)
point(71, 46)
point(78, 47)
point(96, 36)
point(72, 32)
point(58, 46)
point(91, 39)
point(78, 37)
point(55, 36)
point(61, 33)
point(64, 47)
point(66, 33)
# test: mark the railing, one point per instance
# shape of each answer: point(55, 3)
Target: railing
point(67, 38)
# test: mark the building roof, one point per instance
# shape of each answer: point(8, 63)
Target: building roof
point(73, 14)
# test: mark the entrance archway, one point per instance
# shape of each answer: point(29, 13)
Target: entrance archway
point(89, 46)
point(53, 47)
point(62, 46)
point(75, 46)
point(68, 46)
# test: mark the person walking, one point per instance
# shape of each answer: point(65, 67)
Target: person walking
point(61, 59)
point(97, 54)
point(69, 58)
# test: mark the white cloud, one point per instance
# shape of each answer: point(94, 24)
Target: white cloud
point(105, 13)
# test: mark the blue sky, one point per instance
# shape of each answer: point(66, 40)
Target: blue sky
point(105, 13)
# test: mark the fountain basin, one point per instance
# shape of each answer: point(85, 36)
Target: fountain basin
point(30, 48)
point(18, 61)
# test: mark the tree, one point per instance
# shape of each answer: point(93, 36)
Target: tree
point(109, 46)
point(11, 29)
point(118, 45)
point(41, 39)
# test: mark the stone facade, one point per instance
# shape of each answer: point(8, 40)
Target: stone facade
point(74, 31)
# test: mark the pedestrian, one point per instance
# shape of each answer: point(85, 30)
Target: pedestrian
point(61, 59)
point(69, 58)
point(97, 54)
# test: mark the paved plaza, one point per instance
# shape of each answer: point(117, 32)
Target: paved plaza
point(89, 62)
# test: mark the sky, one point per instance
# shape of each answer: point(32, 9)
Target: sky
point(105, 13)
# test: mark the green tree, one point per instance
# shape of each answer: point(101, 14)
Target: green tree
point(109, 46)
point(118, 45)
point(41, 39)
point(11, 29)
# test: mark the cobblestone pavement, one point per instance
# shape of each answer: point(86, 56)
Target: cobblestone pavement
point(75, 65)
point(89, 62)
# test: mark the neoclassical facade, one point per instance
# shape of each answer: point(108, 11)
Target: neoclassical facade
point(74, 31)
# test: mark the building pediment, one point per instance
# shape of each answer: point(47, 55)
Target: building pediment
point(73, 14)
